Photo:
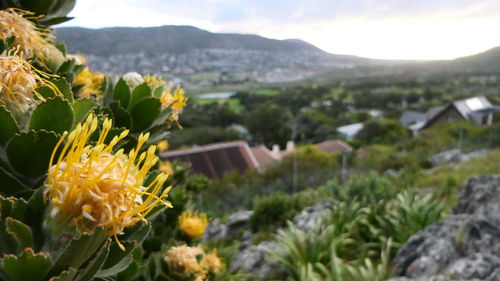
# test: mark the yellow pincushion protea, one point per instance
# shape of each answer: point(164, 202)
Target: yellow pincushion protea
point(212, 263)
point(176, 101)
point(89, 186)
point(193, 224)
point(32, 40)
point(19, 80)
point(183, 259)
point(166, 167)
point(154, 81)
point(162, 145)
point(91, 82)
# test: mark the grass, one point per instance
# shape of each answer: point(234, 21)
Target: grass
point(447, 180)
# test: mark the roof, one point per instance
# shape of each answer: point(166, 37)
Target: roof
point(214, 160)
point(333, 146)
point(264, 156)
point(350, 130)
point(471, 109)
point(411, 117)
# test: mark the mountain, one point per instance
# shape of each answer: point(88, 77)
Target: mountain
point(199, 57)
point(485, 62)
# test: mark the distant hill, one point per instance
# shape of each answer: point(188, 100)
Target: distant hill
point(199, 57)
point(485, 62)
point(203, 59)
point(171, 39)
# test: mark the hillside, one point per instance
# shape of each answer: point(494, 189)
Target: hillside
point(199, 57)
point(171, 39)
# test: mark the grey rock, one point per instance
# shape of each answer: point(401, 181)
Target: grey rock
point(309, 218)
point(215, 231)
point(219, 231)
point(237, 221)
point(465, 246)
point(448, 156)
point(456, 156)
point(256, 260)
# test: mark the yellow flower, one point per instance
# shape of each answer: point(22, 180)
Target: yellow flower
point(177, 101)
point(162, 145)
point(154, 81)
point(183, 259)
point(212, 263)
point(19, 80)
point(166, 167)
point(91, 82)
point(32, 40)
point(193, 224)
point(91, 186)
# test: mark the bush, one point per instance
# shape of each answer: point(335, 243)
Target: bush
point(383, 131)
point(276, 209)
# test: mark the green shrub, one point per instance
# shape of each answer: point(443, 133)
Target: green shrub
point(276, 209)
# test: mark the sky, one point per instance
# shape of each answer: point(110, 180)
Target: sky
point(384, 29)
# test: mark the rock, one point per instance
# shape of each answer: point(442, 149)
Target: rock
point(237, 221)
point(215, 231)
point(219, 231)
point(465, 246)
point(481, 196)
point(456, 156)
point(309, 218)
point(256, 260)
point(448, 156)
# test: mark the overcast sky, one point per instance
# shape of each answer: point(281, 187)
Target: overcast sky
point(388, 29)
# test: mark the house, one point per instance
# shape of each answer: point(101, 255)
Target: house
point(412, 117)
point(264, 156)
point(333, 146)
point(348, 132)
point(329, 146)
point(413, 120)
point(214, 160)
point(477, 110)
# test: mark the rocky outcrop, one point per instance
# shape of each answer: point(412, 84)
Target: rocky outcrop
point(235, 223)
point(465, 246)
point(256, 260)
point(309, 218)
point(456, 156)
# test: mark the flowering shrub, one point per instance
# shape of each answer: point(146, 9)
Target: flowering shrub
point(80, 180)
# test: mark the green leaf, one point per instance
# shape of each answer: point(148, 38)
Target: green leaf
point(118, 259)
point(121, 117)
point(29, 153)
point(66, 67)
point(144, 113)
point(62, 8)
point(122, 93)
point(80, 250)
point(9, 185)
point(28, 266)
point(138, 94)
point(67, 275)
point(54, 114)
point(82, 108)
point(95, 264)
point(8, 125)
point(65, 88)
point(21, 232)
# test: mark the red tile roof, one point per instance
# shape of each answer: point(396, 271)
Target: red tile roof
point(333, 146)
point(214, 160)
point(264, 156)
